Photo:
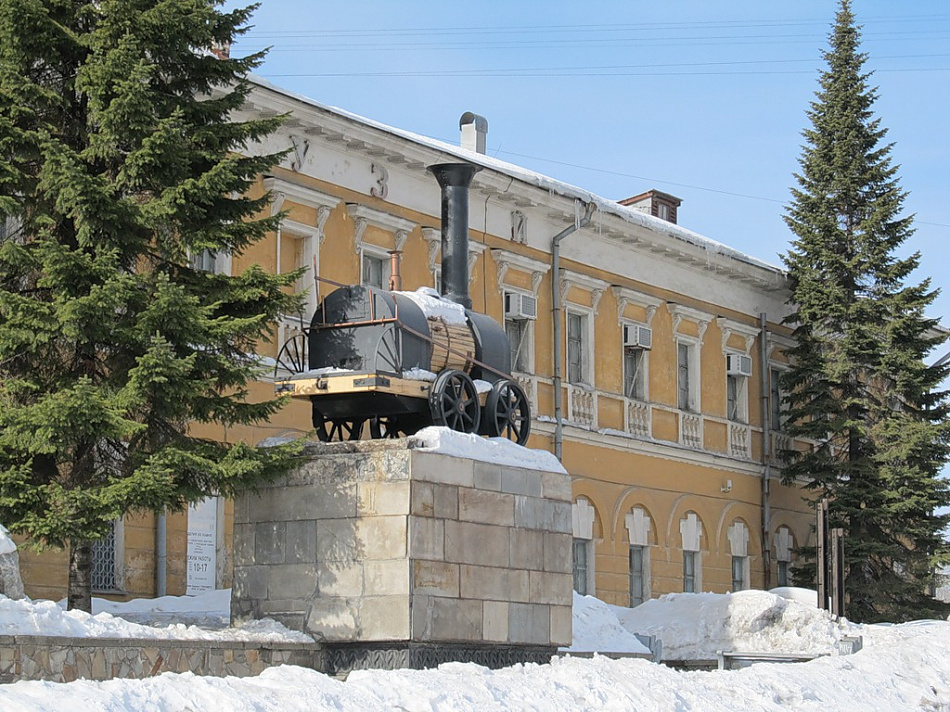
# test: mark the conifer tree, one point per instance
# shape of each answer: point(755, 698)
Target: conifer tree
point(118, 165)
point(859, 390)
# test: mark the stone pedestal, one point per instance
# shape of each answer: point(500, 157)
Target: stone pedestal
point(400, 557)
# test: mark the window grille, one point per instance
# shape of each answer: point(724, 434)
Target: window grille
point(636, 576)
point(103, 563)
point(580, 566)
point(738, 573)
point(689, 571)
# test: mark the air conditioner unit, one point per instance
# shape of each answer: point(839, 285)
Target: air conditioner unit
point(738, 365)
point(637, 336)
point(520, 306)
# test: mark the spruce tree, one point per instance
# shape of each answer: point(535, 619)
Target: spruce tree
point(118, 165)
point(858, 389)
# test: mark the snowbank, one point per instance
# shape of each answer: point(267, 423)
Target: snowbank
point(500, 451)
point(694, 626)
point(597, 629)
point(902, 667)
point(48, 618)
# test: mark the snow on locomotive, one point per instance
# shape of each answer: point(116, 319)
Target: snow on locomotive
point(399, 361)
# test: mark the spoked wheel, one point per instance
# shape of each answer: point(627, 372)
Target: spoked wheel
point(292, 356)
point(337, 429)
point(453, 402)
point(508, 412)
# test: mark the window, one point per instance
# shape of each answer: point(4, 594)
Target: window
point(775, 398)
point(637, 575)
point(375, 271)
point(738, 573)
point(633, 373)
point(784, 544)
point(204, 261)
point(684, 376)
point(783, 573)
point(689, 572)
point(737, 399)
point(518, 342)
point(691, 530)
point(580, 565)
point(576, 347)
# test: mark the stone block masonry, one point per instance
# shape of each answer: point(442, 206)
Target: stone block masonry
point(412, 555)
point(61, 659)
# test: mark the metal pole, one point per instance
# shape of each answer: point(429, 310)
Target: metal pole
point(766, 449)
point(579, 222)
point(837, 572)
point(821, 558)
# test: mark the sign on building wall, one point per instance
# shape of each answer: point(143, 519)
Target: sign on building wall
point(202, 541)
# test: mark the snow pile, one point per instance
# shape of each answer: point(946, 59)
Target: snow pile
point(10, 582)
point(48, 618)
point(597, 629)
point(902, 667)
point(435, 307)
point(208, 609)
point(694, 626)
point(6, 543)
point(418, 374)
point(910, 671)
point(500, 451)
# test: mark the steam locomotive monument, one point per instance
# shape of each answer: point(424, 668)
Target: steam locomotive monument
point(364, 342)
point(388, 554)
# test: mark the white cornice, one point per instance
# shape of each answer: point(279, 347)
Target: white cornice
point(728, 327)
point(366, 216)
point(625, 296)
point(433, 238)
point(593, 285)
point(281, 190)
point(505, 260)
point(681, 312)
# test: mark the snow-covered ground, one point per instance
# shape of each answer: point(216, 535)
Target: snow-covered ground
point(902, 667)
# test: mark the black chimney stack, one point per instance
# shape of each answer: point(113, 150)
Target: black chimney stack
point(454, 179)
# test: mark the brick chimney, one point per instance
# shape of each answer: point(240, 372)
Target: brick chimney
point(655, 203)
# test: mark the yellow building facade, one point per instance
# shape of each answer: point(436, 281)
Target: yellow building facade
point(671, 345)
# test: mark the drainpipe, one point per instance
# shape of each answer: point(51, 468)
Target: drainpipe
point(579, 222)
point(161, 555)
point(766, 450)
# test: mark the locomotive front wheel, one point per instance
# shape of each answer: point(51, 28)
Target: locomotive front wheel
point(508, 412)
point(292, 357)
point(453, 402)
point(336, 429)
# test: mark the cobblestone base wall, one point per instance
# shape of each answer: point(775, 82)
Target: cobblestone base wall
point(28, 657)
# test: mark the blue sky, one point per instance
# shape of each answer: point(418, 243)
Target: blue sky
point(704, 100)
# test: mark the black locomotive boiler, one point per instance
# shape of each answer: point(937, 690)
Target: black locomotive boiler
point(397, 361)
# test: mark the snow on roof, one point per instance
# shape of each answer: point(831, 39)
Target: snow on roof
point(539, 180)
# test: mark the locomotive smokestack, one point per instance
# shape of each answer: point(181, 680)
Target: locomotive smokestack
point(454, 179)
